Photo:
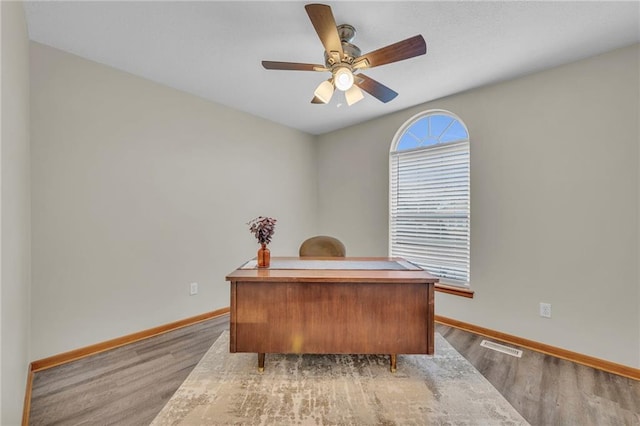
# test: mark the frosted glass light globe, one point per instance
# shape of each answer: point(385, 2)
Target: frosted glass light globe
point(343, 79)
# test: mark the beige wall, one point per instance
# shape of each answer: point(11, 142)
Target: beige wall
point(554, 204)
point(139, 190)
point(15, 213)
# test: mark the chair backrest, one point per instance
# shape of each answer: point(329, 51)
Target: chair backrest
point(322, 246)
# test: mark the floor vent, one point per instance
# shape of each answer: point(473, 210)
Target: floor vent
point(501, 348)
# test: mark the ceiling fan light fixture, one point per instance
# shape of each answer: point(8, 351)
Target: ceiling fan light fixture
point(353, 95)
point(343, 59)
point(343, 78)
point(324, 91)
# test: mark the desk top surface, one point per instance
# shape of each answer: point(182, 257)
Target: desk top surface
point(341, 269)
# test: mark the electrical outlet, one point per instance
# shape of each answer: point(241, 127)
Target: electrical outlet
point(193, 290)
point(545, 310)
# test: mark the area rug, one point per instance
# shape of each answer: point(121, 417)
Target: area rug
point(440, 389)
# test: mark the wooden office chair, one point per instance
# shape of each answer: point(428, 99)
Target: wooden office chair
point(322, 246)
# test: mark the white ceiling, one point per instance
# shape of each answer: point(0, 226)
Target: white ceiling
point(213, 49)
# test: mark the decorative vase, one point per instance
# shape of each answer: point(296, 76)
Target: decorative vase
point(264, 256)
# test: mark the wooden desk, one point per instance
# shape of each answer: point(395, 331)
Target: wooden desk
point(332, 311)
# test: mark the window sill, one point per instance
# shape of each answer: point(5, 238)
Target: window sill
point(455, 290)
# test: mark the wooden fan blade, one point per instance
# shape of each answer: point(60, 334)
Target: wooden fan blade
point(317, 100)
point(322, 19)
point(375, 89)
point(290, 66)
point(405, 49)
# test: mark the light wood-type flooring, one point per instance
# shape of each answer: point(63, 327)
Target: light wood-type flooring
point(131, 384)
point(547, 390)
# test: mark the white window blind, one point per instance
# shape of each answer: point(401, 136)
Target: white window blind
point(430, 209)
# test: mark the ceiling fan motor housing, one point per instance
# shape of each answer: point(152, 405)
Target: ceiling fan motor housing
point(347, 33)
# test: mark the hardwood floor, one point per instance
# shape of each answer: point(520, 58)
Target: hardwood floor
point(124, 386)
point(550, 391)
point(131, 384)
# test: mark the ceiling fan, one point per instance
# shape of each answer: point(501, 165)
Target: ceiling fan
point(344, 60)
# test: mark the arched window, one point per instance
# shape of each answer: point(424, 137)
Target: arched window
point(429, 195)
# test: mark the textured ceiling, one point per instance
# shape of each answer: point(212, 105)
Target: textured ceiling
point(214, 49)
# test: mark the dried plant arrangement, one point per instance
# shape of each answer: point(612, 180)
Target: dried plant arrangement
point(262, 228)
